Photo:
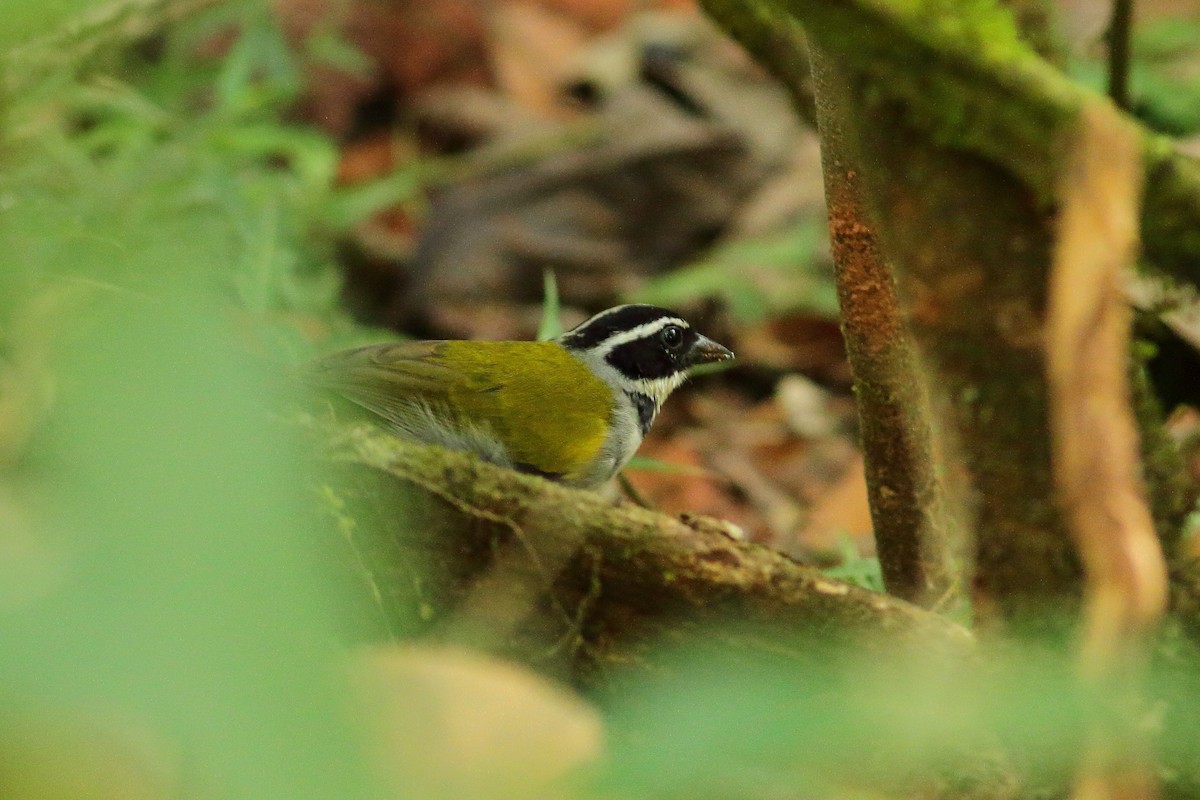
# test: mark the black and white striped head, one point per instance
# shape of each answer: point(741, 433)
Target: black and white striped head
point(650, 349)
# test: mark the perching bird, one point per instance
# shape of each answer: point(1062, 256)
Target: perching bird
point(573, 409)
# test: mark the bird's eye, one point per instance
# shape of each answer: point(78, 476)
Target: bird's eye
point(672, 336)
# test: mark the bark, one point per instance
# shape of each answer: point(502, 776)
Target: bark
point(972, 245)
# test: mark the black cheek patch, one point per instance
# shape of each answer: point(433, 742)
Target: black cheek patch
point(644, 358)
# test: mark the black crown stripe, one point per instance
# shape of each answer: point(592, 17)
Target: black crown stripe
point(599, 328)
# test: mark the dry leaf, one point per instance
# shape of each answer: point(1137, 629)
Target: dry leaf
point(532, 51)
point(843, 510)
point(446, 723)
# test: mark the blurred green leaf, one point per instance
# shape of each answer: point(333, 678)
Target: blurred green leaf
point(177, 571)
point(184, 585)
point(260, 71)
point(1164, 74)
point(328, 47)
point(810, 717)
point(550, 326)
point(756, 279)
point(189, 590)
point(347, 206)
point(647, 464)
point(854, 568)
point(29, 19)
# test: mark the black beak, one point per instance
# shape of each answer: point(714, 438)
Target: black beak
point(706, 351)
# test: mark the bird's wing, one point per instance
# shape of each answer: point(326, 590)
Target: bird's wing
point(480, 396)
point(387, 379)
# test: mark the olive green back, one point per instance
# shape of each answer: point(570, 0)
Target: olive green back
point(544, 405)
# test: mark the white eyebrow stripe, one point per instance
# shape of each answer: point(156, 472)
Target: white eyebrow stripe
point(643, 330)
point(605, 314)
point(608, 313)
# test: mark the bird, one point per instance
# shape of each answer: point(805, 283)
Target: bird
point(573, 409)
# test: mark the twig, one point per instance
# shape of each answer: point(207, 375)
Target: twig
point(913, 530)
point(1120, 28)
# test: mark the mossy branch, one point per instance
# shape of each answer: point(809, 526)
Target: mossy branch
point(522, 565)
point(966, 80)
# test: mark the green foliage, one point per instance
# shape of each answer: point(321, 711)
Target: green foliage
point(821, 716)
point(551, 323)
point(29, 19)
point(192, 152)
point(170, 575)
point(834, 716)
point(1164, 74)
point(647, 464)
point(854, 568)
point(326, 47)
point(349, 205)
point(756, 279)
point(161, 571)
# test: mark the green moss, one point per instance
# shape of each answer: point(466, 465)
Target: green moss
point(981, 24)
point(961, 74)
